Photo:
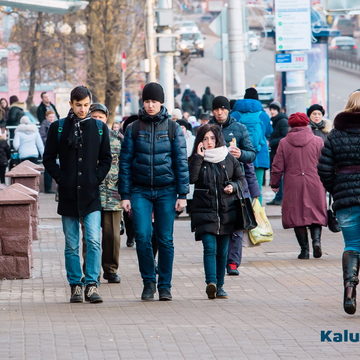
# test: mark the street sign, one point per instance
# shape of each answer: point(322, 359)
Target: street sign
point(293, 25)
point(123, 61)
point(291, 62)
point(219, 24)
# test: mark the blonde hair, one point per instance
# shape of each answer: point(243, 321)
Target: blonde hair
point(353, 103)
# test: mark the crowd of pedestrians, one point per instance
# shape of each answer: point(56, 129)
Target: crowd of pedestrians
point(140, 174)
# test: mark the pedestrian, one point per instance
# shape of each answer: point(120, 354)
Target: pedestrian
point(188, 105)
point(216, 175)
point(27, 141)
point(204, 119)
point(304, 201)
point(16, 112)
point(4, 154)
point(176, 114)
point(206, 100)
point(320, 126)
point(237, 139)
point(111, 211)
point(197, 103)
point(82, 146)
point(280, 126)
point(44, 106)
point(339, 171)
point(185, 58)
point(4, 105)
point(154, 179)
point(249, 112)
point(44, 129)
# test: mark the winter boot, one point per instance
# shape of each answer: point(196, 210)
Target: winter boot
point(350, 263)
point(315, 231)
point(302, 238)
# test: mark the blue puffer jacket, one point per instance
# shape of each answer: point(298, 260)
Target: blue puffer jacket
point(253, 106)
point(152, 160)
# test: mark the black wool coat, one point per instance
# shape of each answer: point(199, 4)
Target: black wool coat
point(81, 169)
point(281, 128)
point(212, 210)
point(342, 148)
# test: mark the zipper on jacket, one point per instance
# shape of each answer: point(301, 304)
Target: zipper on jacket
point(152, 154)
point(217, 205)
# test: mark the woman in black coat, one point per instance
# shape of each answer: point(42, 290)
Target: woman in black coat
point(339, 170)
point(216, 175)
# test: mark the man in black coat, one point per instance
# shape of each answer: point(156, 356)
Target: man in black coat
point(44, 106)
point(83, 148)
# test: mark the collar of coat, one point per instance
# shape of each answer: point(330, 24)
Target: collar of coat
point(347, 120)
point(160, 116)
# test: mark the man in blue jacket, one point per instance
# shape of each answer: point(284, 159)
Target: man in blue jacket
point(154, 178)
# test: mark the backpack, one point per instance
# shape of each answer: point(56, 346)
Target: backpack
point(253, 124)
point(171, 129)
point(99, 125)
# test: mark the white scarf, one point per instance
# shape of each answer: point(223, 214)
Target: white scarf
point(216, 155)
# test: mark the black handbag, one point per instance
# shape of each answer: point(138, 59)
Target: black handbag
point(245, 218)
point(333, 224)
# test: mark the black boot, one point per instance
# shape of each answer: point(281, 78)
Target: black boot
point(148, 291)
point(302, 238)
point(315, 231)
point(350, 263)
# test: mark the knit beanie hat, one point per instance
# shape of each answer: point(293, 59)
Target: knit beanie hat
point(275, 105)
point(315, 107)
point(221, 102)
point(184, 123)
point(251, 93)
point(298, 119)
point(176, 114)
point(153, 91)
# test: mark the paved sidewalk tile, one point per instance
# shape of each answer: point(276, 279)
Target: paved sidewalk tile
point(276, 309)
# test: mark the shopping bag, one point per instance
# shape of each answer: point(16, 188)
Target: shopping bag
point(263, 232)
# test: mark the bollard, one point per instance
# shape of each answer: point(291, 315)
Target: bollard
point(26, 176)
point(34, 207)
point(15, 234)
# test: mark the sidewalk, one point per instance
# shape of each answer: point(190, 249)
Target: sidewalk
point(276, 309)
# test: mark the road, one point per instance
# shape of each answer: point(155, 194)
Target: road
point(207, 71)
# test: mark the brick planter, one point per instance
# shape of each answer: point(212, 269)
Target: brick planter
point(15, 234)
point(26, 176)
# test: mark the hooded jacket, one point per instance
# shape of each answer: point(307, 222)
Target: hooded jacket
point(16, 112)
point(304, 200)
point(281, 128)
point(152, 160)
point(27, 141)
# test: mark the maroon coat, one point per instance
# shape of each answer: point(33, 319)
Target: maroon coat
point(304, 200)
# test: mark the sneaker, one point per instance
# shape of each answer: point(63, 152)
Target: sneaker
point(211, 290)
point(165, 294)
point(112, 278)
point(221, 293)
point(148, 291)
point(76, 294)
point(92, 294)
point(232, 269)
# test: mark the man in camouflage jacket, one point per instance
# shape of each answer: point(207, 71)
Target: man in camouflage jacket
point(111, 211)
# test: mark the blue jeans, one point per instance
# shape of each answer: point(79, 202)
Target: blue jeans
point(71, 227)
point(349, 221)
point(215, 256)
point(161, 202)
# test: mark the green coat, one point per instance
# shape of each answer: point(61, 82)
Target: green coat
point(110, 198)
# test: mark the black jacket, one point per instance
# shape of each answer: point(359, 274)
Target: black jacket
point(41, 111)
point(281, 128)
point(81, 169)
point(4, 152)
point(212, 210)
point(16, 112)
point(342, 148)
point(152, 160)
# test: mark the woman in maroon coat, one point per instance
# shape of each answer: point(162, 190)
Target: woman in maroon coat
point(304, 201)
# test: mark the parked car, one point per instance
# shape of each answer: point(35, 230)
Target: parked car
point(253, 40)
point(265, 89)
point(194, 42)
point(343, 43)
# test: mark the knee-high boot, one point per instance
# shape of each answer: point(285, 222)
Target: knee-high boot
point(302, 238)
point(350, 263)
point(315, 231)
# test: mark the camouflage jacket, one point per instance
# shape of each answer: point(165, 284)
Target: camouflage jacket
point(110, 198)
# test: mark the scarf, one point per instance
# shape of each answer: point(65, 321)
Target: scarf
point(320, 125)
point(216, 155)
point(75, 132)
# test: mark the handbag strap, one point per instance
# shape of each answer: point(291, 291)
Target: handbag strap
point(329, 201)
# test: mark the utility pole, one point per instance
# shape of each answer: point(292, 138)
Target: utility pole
point(236, 47)
point(167, 65)
point(150, 44)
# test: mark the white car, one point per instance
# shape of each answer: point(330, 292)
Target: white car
point(193, 42)
point(265, 89)
point(253, 41)
point(186, 27)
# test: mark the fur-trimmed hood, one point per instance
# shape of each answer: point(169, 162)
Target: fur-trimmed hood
point(347, 120)
point(27, 128)
point(18, 104)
